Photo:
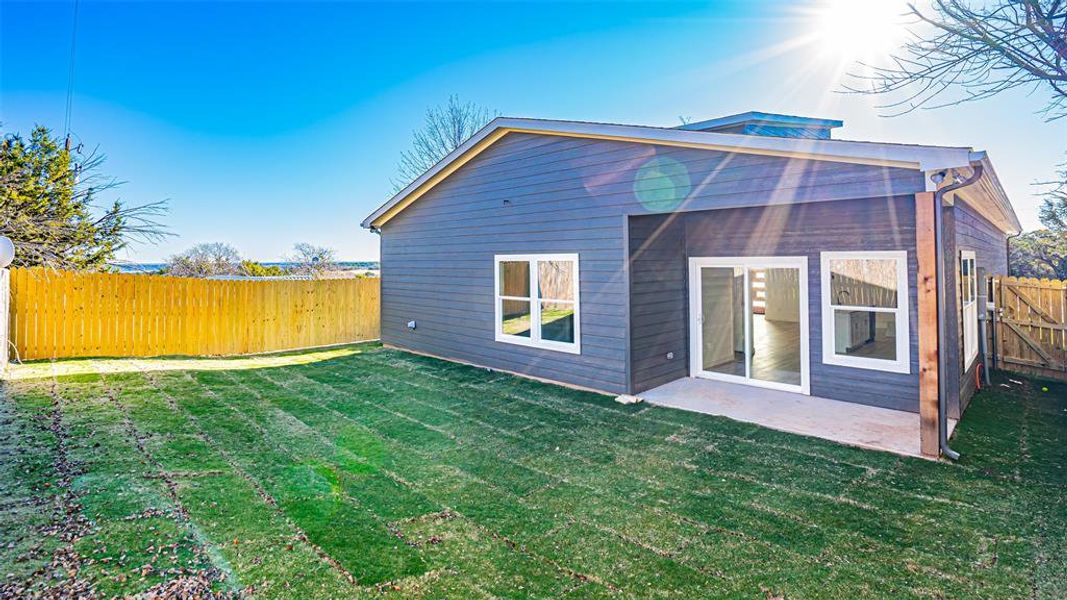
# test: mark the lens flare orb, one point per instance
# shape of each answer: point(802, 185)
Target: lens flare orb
point(662, 184)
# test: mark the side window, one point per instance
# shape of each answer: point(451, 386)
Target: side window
point(537, 301)
point(865, 310)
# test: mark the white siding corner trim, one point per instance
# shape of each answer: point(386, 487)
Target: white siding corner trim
point(901, 363)
point(534, 336)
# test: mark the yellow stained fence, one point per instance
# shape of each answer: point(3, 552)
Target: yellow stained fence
point(1031, 325)
point(59, 314)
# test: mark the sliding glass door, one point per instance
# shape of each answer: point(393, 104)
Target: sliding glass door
point(749, 320)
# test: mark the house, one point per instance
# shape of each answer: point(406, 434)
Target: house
point(753, 252)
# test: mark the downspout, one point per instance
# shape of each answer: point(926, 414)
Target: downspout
point(942, 329)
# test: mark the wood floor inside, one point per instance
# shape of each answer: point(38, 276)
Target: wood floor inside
point(776, 352)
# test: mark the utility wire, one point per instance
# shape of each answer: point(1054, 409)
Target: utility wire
point(70, 76)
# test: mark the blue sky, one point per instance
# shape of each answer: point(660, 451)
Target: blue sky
point(267, 124)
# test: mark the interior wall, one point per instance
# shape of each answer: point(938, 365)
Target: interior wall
point(722, 336)
point(782, 305)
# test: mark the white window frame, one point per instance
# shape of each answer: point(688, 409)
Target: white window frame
point(747, 264)
point(535, 300)
point(969, 310)
point(902, 364)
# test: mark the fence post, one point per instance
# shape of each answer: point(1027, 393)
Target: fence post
point(5, 298)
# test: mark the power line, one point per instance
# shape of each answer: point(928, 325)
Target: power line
point(70, 76)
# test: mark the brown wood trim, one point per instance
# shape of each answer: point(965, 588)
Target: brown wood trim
point(926, 286)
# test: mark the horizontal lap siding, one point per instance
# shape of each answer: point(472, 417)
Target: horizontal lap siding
point(965, 229)
point(437, 264)
point(798, 230)
point(658, 301)
point(531, 194)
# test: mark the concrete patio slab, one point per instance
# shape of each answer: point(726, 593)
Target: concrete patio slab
point(843, 422)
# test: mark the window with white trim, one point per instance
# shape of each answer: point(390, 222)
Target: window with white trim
point(865, 310)
point(969, 307)
point(537, 303)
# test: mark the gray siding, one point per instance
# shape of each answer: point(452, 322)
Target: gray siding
point(659, 301)
point(529, 194)
point(965, 229)
point(799, 230)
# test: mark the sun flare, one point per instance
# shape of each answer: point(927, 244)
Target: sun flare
point(859, 30)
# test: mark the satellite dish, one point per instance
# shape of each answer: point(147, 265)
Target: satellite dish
point(7, 252)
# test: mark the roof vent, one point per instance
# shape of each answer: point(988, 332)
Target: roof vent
point(760, 123)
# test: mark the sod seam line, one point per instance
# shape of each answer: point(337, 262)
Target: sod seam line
point(615, 415)
point(204, 546)
point(636, 454)
point(521, 548)
point(664, 553)
point(710, 497)
point(305, 428)
point(1009, 521)
point(39, 423)
point(268, 500)
point(564, 407)
point(520, 500)
point(667, 514)
point(460, 416)
point(336, 393)
point(73, 523)
point(509, 543)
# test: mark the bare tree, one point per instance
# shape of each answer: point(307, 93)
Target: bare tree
point(205, 260)
point(445, 129)
point(968, 50)
point(312, 260)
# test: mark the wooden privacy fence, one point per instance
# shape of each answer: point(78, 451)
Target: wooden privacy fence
point(58, 314)
point(1030, 331)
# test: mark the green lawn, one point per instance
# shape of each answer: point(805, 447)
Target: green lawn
point(362, 471)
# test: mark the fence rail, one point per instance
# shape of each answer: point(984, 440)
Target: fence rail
point(1030, 331)
point(59, 314)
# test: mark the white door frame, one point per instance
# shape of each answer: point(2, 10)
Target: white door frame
point(695, 318)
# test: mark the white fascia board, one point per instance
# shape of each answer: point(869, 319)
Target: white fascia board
point(998, 194)
point(922, 158)
point(989, 197)
point(441, 164)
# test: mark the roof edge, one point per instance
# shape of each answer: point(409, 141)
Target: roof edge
point(923, 158)
point(989, 197)
point(754, 116)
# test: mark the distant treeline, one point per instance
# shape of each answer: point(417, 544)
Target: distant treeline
point(158, 267)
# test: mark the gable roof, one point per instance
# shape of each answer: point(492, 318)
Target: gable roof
point(922, 158)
